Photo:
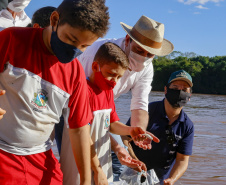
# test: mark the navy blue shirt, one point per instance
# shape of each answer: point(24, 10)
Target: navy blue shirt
point(163, 154)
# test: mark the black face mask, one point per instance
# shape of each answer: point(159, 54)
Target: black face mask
point(63, 51)
point(177, 98)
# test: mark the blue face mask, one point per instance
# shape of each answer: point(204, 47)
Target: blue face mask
point(63, 51)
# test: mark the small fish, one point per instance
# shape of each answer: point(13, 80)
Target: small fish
point(148, 136)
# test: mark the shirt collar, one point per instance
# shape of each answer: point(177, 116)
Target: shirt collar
point(5, 13)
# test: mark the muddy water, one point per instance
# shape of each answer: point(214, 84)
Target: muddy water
point(207, 165)
point(208, 112)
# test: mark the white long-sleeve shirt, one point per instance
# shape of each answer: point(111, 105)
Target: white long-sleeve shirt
point(18, 5)
point(7, 20)
point(138, 82)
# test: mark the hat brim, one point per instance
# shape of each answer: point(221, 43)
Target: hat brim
point(167, 46)
point(183, 79)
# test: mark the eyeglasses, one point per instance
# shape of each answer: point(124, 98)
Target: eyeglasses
point(170, 137)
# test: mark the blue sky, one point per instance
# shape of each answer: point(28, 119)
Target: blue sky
point(191, 25)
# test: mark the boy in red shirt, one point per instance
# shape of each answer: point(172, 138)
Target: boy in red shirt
point(42, 79)
point(109, 65)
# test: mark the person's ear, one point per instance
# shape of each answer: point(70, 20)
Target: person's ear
point(95, 66)
point(127, 40)
point(54, 18)
point(165, 90)
point(189, 97)
point(36, 25)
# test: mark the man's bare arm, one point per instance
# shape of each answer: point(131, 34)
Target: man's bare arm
point(139, 118)
point(178, 169)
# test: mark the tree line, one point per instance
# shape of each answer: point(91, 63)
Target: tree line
point(208, 73)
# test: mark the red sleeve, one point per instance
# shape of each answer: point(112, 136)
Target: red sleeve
point(80, 113)
point(4, 47)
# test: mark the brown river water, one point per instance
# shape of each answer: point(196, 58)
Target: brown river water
point(208, 112)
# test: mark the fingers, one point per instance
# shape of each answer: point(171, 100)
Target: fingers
point(143, 167)
point(144, 145)
point(155, 139)
point(168, 182)
point(2, 112)
point(129, 163)
point(2, 92)
point(139, 137)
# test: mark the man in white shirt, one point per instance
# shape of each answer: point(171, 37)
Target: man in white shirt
point(143, 41)
point(141, 44)
point(14, 15)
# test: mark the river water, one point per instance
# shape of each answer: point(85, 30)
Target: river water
point(208, 112)
point(207, 164)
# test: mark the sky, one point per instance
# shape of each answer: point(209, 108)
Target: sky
point(197, 26)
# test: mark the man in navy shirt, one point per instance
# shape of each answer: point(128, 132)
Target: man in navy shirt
point(167, 121)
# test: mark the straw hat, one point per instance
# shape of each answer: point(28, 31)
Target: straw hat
point(149, 34)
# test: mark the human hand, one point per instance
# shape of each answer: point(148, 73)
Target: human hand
point(2, 112)
point(137, 133)
point(126, 159)
point(100, 178)
point(145, 142)
point(141, 167)
point(169, 181)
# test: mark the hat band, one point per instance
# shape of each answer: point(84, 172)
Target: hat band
point(144, 40)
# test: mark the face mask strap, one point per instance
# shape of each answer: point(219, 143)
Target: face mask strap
point(56, 27)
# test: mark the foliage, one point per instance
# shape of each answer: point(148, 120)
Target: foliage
point(208, 74)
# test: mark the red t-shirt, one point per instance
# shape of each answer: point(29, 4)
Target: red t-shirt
point(100, 100)
point(23, 49)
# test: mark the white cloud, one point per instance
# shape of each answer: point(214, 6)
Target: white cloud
point(171, 11)
point(201, 7)
point(202, 2)
point(197, 13)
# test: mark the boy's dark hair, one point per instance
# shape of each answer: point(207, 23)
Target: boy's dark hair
point(29, 25)
point(42, 16)
point(89, 15)
point(110, 52)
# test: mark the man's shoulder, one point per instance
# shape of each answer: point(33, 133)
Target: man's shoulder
point(187, 122)
point(186, 118)
point(155, 104)
point(21, 32)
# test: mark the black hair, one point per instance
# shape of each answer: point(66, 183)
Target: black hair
point(87, 15)
point(42, 16)
point(110, 52)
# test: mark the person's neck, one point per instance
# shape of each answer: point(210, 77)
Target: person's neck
point(46, 38)
point(171, 112)
point(91, 78)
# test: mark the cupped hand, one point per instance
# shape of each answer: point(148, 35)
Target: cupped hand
point(126, 159)
point(145, 142)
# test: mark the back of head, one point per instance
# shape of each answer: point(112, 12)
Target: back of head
point(110, 52)
point(42, 16)
point(89, 15)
